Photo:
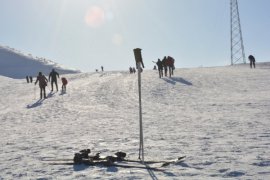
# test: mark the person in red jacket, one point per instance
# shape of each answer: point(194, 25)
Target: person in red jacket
point(64, 84)
point(42, 84)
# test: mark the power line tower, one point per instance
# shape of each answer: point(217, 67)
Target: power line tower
point(237, 45)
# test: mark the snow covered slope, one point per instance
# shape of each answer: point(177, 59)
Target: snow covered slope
point(218, 117)
point(15, 64)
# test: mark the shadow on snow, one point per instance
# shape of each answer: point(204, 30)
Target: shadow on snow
point(174, 80)
point(81, 167)
point(39, 102)
point(36, 104)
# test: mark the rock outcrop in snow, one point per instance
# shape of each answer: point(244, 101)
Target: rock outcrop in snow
point(17, 65)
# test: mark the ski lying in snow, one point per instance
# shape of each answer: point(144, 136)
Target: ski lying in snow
point(164, 163)
point(105, 164)
point(178, 160)
point(51, 159)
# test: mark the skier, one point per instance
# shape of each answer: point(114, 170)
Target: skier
point(160, 68)
point(27, 79)
point(64, 84)
point(42, 84)
point(53, 78)
point(252, 61)
point(101, 68)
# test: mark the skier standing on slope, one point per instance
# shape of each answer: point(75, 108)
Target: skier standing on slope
point(53, 77)
point(42, 84)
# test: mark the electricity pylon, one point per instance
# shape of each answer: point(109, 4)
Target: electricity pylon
point(237, 45)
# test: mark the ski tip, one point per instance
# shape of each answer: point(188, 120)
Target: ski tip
point(182, 157)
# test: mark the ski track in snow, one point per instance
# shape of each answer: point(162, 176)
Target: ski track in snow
point(217, 117)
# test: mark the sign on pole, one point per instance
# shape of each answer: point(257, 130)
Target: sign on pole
point(139, 65)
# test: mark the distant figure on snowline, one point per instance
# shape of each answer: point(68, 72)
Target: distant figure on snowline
point(130, 70)
point(64, 84)
point(102, 68)
point(31, 79)
point(252, 61)
point(53, 78)
point(155, 67)
point(27, 79)
point(42, 84)
point(160, 68)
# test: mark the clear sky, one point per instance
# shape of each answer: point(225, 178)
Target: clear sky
point(85, 34)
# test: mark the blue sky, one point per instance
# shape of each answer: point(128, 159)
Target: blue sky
point(85, 34)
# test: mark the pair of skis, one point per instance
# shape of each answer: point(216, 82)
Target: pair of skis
point(90, 161)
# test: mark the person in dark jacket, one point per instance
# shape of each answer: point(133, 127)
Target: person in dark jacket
point(42, 84)
point(27, 79)
point(134, 70)
point(31, 79)
point(53, 78)
point(165, 65)
point(160, 68)
point(252, 61)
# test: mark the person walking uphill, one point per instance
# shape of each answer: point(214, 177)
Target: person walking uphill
point(64, 84)
point(252, 61)
point(53, 78)
point(42, 84)
point(160, 68)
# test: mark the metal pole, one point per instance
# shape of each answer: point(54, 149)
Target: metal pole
point(231, 35)
point(141, 148)
point(241, 35)
point(237, 44)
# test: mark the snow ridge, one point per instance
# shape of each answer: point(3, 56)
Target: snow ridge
point(17, 65)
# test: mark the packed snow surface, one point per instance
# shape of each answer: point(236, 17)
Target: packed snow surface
point(18, 65)
point(219, 118)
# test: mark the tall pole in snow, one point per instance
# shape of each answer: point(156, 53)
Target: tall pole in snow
point(139, 65)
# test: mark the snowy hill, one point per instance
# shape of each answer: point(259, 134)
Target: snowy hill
point(218, 117)
point(15, 64)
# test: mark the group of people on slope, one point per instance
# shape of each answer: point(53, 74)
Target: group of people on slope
point(42, 80)
point(166, 63)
